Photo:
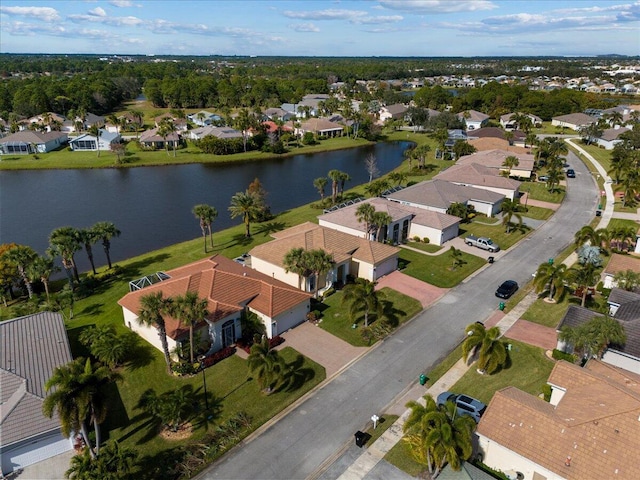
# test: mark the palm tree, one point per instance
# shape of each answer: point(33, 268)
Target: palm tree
point(376, 188)
point(397, 178)
point(106, 345)
point(41, 268)
point(364, 214)
point(165, 130)
point(152, 308)
point(344, 177)
point(190, 310)
point(295, 260)
point(456, 257)
point(88, 237)
point(171, 408)
point(106, 231)
point(115, 121)
point(417, 428)
point(77, 397)
point(553, 276)
point(244, 122)
point(96, 132)
point(491, 352)
point(381, 220)
point(362, 296)
point(451, 438)
point(136, 117)
point(114, 463)
point(319, 262)
point(21, 257)
point(247, 206)
point(334, 176)
point(583, 276)
point(206, 214)
point(65, 242)
point(266, 364)
point(510, 210)
point(510, 162)
point(627, 280)
point(320, 183)
point(591, 339)
point(589, 235)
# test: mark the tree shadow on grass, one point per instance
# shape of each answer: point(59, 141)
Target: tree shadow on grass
point(391, 313)
point(137, 269)
point(141, 353)
point(271, 227)
point(296, 375)
point(77, 348)
point(117, 416)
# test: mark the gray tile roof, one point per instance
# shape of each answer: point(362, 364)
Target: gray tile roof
point(30, 348)
point(576, 119)
point(620, 296)
point(441, 194)
point(477, 175)
point(613, 133)
point(575, 316)
point(29, 136)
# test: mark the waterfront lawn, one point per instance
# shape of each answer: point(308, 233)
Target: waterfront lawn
point(438, 270)
point(539, 191)
point(495, 232)
point(398, 308)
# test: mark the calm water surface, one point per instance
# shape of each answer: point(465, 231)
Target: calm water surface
point(152, 205)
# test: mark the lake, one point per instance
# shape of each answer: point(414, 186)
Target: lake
point(152, 205)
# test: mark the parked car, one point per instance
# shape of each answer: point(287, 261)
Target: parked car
point(543, 178)
point(507, 288)
point(466, 405)
point(482, 242)
point(571, 173)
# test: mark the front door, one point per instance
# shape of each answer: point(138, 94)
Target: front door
point(228, 333)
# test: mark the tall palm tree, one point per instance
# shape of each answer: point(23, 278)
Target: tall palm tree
point(491, 352)
point(319, 262)
point(364, 214)
point(247, 206)
point(106, 231)
point(417, 428)
point(153, 307)
point(243, 122)
point(381, 221)
point(65, 242)
point(362, 296)
point(21, 257)
point(320, 183)
point(583, 277)
point(165, 130)
point(295, 261)
point(509, 211)
point(190, 310)
point(206, 214)
point(334, 176)
point(266, 364)
point(553, 276)
point(41, 268)
point(88, 237)
point(75, 392)
point(136, 117)
point(96, 132)
point(344, 177)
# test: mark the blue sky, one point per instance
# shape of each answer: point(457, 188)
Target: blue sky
point(322, 28)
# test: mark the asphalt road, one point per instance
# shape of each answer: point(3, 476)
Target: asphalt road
point(298, 445)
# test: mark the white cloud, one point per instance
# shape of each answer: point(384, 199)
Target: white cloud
point(31, 29)
point(98, 12)
point(46, 14)
point(304, 27)
point(378, 20)
point(121, 3)
point(330, 14)
point(96, 17)
point(438, 6)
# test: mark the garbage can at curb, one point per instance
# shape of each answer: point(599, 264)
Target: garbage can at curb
point(359, 438)
point(501, 306)
point(423, 379)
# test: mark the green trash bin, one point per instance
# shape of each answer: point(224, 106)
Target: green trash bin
point(501, 306)
point(423, 379)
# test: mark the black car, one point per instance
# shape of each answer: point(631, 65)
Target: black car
point(507, 289)
point(571, 173)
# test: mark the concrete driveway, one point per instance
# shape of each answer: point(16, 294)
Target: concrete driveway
point(322, 347)
point(425, 293)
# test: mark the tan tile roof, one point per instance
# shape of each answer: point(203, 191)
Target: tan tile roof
point(320, 125)
point(441, 194)
point(622, 263)
point(227, 286)
point(596, 423)
point(311, 236)
point(495, 158)
point(477, 175)
point(491, 143)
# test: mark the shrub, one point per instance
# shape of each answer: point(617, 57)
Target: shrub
point(560, 355)
point(417, 239)
point(426, 240)
point(546, 391)
point(183, 368)
point(218, 356)
point(329, 292)
point(275, 341)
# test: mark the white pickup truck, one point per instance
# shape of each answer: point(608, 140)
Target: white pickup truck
point(482, 242)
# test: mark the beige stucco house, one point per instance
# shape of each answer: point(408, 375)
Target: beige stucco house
point(495, 159)
point(231, 290)
point(352, 255)
point(588, 430)
point(407, 222)
point(479, 176)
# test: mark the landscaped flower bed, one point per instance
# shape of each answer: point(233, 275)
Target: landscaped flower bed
point(245, 344)
point(217, 356)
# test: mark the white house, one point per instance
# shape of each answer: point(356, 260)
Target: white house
point(27, 142)
point(219, 132)
point(479, 176)
point(574, 121)
point(320, 127)
point(204, 118)
point(588, 430)
point(407, 222)
point(495, 159)
point(392, 112)
point(90, 142)
point(231, 290)
point(474, 119)
point(619, 263)
point(32, 347)
point(351, 256)
point(611, 137)
point(439, 195)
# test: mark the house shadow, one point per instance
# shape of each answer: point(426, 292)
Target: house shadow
point(77, 348)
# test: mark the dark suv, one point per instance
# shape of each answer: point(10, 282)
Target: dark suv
point(465, 405)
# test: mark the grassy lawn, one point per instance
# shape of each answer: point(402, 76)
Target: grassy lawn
point(528, 369)
point(383, 425)
point(496, 233)
point(425, 247)
point(621, 223)
point(539, 191)
point(548, 314)
point(537, 213)
point(438, 270)
point(398, 308)
point(401, 457)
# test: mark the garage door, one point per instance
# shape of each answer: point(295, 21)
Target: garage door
point(34, 452)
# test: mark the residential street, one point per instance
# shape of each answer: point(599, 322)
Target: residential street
point(309, 437)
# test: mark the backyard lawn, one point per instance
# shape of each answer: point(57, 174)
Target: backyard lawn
point(398, 308)
point(438, 270)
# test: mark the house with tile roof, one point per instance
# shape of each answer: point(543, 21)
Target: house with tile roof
point(320, 127)
point(619, 263)
point(473, 119)
point(495, 159)
point(574, 121)
point(479, 176)
point(352, 255)
point(180, 124)
point(31, 348)
point(89, 142)
point(407, 222)
point(151, 139)
point(588, 430)
point(27, 142)
point(220, 132)
point(509, 123)
point(392, 112)
point(231, 290)
point(611, 137)
point(439, 195)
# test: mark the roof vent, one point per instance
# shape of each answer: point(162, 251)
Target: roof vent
point(244, 274)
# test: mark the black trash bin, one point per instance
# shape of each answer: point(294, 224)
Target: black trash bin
point(491, 259)
point(360, 438)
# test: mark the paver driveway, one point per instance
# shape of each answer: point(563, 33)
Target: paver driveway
point(425, 293)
